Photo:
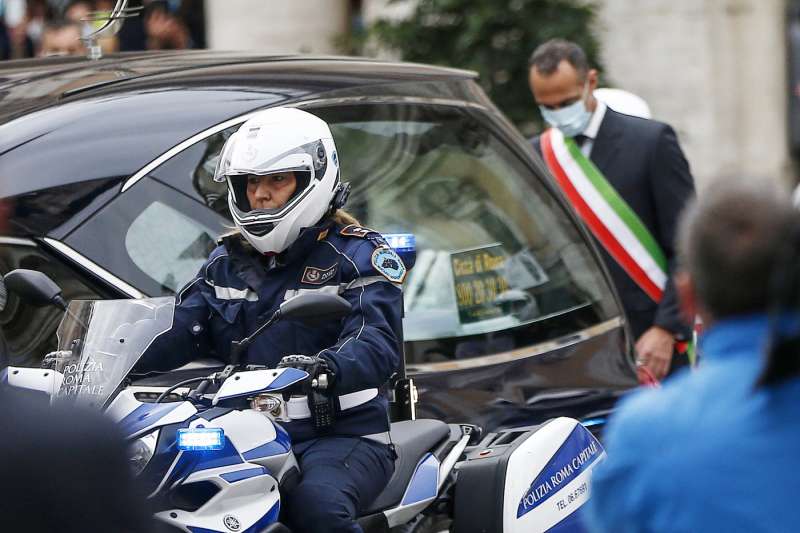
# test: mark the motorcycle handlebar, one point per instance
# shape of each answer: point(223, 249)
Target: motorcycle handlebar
point(197, 393)
point(164, 394)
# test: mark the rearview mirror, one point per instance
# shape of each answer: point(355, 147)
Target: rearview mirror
point(315, 308)
point(34, 287)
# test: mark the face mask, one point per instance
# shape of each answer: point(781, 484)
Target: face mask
point(572, 119)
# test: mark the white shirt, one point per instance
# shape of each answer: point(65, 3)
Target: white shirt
point(593, 127)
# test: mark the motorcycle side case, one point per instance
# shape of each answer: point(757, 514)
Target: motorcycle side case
point(529, 479)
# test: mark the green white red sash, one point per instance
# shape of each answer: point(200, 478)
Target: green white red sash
point(607, 215)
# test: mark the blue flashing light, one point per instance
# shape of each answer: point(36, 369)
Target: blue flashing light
point(191, 439)
point(591, 422)
point(401, 242)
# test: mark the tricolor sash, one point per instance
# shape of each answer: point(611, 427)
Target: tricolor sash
point(618, 228)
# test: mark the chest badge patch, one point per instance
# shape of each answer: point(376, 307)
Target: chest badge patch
point(387, 262)
point(318, 276)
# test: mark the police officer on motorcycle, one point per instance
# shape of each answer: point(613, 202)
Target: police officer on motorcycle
point(285, 195)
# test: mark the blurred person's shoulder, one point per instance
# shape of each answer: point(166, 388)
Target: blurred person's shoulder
point(684, 400)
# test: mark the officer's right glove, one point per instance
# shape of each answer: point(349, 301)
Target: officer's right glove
point(321, 405)
point(321, 377)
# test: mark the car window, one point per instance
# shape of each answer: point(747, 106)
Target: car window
point(152, 236)
point(171, 257)
point(500, 266)
point(192, 172)
point(27, 345)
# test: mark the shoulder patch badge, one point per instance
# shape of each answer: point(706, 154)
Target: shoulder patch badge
point(355, 231)
point(318, 276)
point(387, 262)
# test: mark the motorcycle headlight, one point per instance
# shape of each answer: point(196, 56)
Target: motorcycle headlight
point(141, 451)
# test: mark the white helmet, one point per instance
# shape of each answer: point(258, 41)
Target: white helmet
point(279, 140)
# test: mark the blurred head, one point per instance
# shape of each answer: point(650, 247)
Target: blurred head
point(61, 38)
point(731, 241)
point(78, 10)
point(65, 469)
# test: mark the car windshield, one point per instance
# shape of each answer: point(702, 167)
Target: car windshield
point(502, 269)
point(500, 265)
point(99, 342)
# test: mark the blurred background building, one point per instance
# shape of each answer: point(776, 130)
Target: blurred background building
point(724, 73)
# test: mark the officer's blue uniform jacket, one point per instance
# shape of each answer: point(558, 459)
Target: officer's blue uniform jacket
point(707, 452)
point(237, 289)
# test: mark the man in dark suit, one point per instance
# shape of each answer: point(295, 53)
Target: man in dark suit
point(642, 160)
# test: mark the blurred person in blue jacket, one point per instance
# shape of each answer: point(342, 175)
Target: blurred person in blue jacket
point(285, 195)
point(716, 449)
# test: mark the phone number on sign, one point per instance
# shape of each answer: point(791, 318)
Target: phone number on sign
point(572, 497)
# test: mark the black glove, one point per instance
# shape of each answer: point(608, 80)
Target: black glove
point(321, 404)
point(320, 375)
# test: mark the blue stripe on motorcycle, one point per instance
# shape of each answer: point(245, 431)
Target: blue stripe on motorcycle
point(145, 415)
point(282, 444)
point(571, 524)
point(214, 459)
point(247, 473)
point(424, 483)
point(289, 376)
point(189, 462)
point(283, 436)
point(275, 447)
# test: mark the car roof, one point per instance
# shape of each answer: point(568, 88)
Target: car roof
point(30, 84)
point(71, 120)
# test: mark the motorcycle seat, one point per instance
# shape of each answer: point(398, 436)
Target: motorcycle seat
point(412, 439)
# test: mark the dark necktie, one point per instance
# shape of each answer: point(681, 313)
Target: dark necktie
point(581, 139)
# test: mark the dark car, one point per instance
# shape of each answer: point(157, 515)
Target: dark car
point(106, 169)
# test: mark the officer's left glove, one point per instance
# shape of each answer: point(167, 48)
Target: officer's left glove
point(321, 377)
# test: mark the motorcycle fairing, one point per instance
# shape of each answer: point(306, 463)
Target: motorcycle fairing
point(148, 416)
point(255, 381)
point(424, 483)
point(247, 481)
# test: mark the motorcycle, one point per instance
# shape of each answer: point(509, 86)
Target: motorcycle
point(219, 461)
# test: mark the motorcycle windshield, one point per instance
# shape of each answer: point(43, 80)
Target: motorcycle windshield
point(100, 341)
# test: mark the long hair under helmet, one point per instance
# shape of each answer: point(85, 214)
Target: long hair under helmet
point(273, 141)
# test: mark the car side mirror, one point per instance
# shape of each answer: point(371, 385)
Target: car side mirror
point(315, 308)
point(34, 287)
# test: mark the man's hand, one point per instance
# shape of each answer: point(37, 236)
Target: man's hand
point(654, 351)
